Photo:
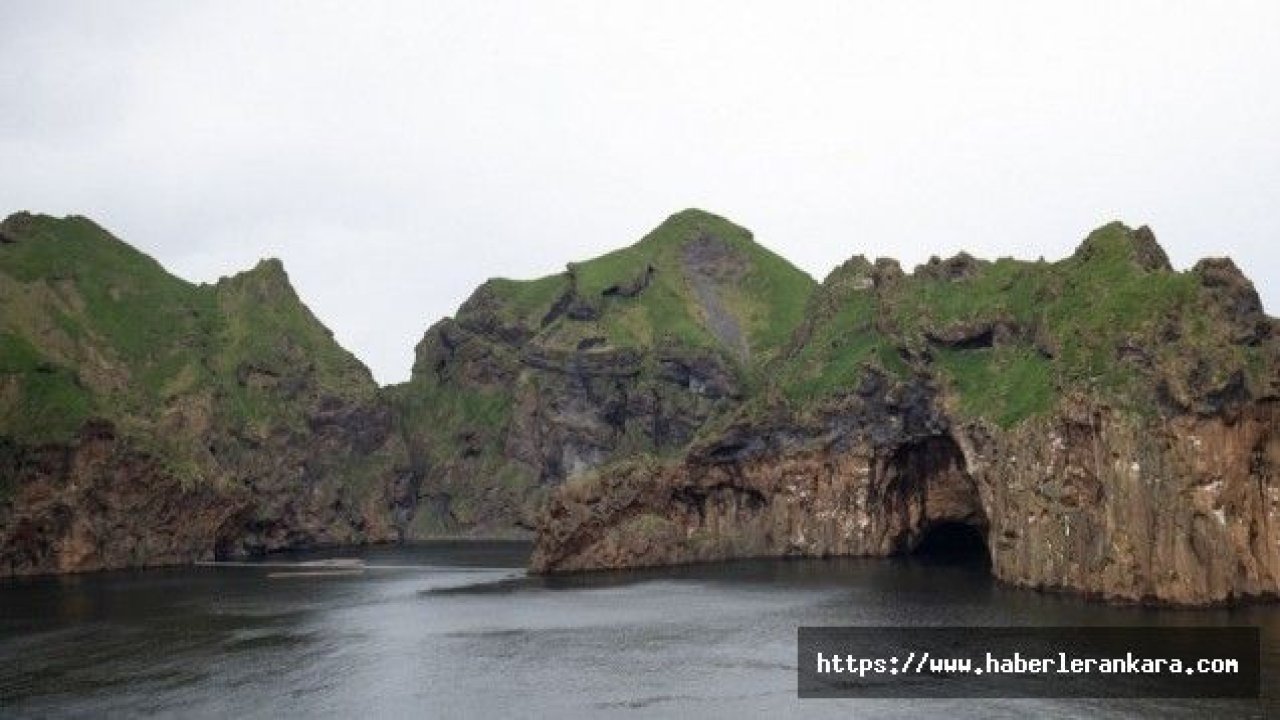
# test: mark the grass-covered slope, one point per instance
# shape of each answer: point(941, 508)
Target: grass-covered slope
point(235, 390)
point(89, 326)
point(233, 386)
point(1009, 338)
point(92, 326)
point(697, 280)
point(630, 352)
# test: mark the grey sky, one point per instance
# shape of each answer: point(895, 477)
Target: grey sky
point(396, 154)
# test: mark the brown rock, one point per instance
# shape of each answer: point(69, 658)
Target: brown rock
point(1179, 512)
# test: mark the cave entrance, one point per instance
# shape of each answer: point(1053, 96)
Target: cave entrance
point(224, 549)
point(226, 541)
point(953, 543)
point(933, 505)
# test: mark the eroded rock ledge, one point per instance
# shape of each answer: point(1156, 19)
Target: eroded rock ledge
point(1179, 511)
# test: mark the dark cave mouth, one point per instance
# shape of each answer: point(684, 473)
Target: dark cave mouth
point(953, 543)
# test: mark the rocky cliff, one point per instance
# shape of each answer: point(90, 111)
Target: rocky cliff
point(145, 420)
point(1102, 424)
point(536, 382)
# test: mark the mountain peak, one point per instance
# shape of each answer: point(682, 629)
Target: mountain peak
point(270, 266)
point(692, 224)
point(25, 224)
point(268, 269)
point(1115, 240)
point(266, 282)
point(12, 227)
point(697, 214)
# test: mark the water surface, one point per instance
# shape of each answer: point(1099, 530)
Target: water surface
point(457, 630)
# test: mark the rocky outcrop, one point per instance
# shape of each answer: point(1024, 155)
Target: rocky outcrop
point(867, 479)
point(1180, 510)
point(557, 412)
point(103, 500)
point(1140, 245)
point(954, 269)
point(1101, 424)
point(538, 382)
point(99, 502)
point(96, 504)
point(1183, 511)
point(1231, 290)
point(1154, 482)
point(147, 421)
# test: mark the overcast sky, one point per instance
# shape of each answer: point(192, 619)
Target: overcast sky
point(394, 155)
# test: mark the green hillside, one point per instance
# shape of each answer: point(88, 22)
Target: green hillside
point(94, 326)
point(648, 293)
point(233, 391)
point(1010, 337)
point(236, 392)
point(625, 353)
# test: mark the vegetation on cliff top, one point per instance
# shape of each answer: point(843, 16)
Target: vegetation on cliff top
point(697, 289)
point(697, 279)
point(1010, 337)
point(92, 327)
point(226, 419)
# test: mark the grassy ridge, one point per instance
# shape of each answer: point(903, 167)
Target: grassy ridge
point(94, 327)
point(767, 300)
point(1068, 319)
point(483, 426)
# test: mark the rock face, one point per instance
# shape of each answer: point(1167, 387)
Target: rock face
point(1102, 424)
point(147, 421)
point(1184, 513)
point(867, 479)
point(1181, 510)
point(535, 382)
point(1135, 461)
point(93, 504)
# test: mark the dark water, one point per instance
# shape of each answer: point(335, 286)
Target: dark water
point(458, 631)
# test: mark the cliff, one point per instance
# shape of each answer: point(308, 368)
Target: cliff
point(536, 382)
point(1102, 424)
point(145, 420)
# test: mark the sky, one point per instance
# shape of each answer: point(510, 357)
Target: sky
point(396, 154)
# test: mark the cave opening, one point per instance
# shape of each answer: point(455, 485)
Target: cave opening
point(226, 541)
point(933, 504)
point(953, 543)
point(224, 549)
